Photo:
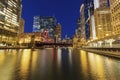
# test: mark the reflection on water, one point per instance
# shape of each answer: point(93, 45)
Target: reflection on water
point(59, 58)
point(56, 64)
point(25, 63)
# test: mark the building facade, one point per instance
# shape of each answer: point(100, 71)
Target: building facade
point(87, 18)
point(115, 14)
point(88, 11)
point(95, 7)
point(101, 3)
point(58, 32)
point(102, 19)
point(21, 27)
point(78, 30)
point(10, 14)
point(26, 39)
point(92, 21)
point(82, 24)
point(44, 23)
point(103, 22)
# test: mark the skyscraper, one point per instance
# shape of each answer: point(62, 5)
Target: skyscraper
point(103, 19)
point(58, 32)
point(92, 21)
point(82, 24)
point(36, 24)
point(88, 11)
point(10, 15)
point(44, 23)
point(103, 22)
point(115, 14)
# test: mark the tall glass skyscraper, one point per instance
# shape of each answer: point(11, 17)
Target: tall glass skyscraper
point(88, 11)
point(41, 24)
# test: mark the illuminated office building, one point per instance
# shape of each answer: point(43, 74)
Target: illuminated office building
point(103, 22)
point(115, 14)
point(94, 7)
point(27, 38)
point(44, 23)
point(58, 32)
point(102, 19)
point(10, 14)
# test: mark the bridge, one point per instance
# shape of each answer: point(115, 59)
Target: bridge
point(39, 44)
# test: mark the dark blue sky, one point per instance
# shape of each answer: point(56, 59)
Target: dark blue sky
point(65, 11)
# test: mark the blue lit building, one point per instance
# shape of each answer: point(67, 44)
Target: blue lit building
point(41, 24)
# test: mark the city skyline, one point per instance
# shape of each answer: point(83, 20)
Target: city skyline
point(75, 40)
point(65, 14)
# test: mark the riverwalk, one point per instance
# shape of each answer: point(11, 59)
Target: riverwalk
point(115, 54)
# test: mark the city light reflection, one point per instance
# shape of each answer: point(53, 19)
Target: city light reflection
point(2, 57)
point(59, 58)
point(7, 65)
point(70, 56)
point(25, 62)
point(37, 64)
point(34, 60)
point(96, 65)
point(84, 63)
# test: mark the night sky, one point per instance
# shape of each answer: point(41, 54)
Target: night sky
point(66, 13)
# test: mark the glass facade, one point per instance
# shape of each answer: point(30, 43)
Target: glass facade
point(88, 11)
point(58, 32)
point(10, 14)
point(44, 23)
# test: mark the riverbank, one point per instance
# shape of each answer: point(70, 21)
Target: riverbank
point(105, 53)
point(12, 47)
point(25, 47)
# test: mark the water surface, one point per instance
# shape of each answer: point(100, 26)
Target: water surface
point(57, 64)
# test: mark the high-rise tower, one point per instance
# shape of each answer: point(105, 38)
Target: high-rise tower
point(115, 14)
point(58, 32)
point(10, 15)
point(103, 19)
point(44, 23)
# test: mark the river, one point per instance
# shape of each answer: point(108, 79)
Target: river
point(57, 64)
